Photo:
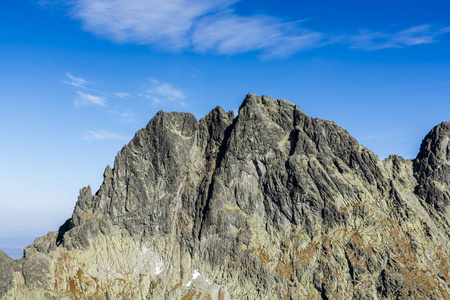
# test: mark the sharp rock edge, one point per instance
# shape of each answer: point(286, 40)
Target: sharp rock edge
point(271, 204)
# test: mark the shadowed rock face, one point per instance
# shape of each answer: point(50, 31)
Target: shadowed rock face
point(271, 204)
point(6, 272)
point(432, 168)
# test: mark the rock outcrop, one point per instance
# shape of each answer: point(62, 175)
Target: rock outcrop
point(271, 204)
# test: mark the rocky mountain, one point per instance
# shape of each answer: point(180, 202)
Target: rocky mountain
point(271, 204)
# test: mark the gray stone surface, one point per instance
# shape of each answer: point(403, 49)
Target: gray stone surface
point(271, 204)
point(6, 272)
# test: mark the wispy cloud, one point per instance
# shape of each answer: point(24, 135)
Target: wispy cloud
point(145, 21)
point(75, 81)
point(199, 25)
point(163, 93)
point(122, 95)
point(103, 135)
point(123, 116)
point(85, 99)
point(213, 27)
point(89, 99)
point(417, 35)
point(229, 33)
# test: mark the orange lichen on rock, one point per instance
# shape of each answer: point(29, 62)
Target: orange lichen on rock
point(285, 268)
point(190, 295)
point(265, 259)
point(221, 295)
point(175, 287)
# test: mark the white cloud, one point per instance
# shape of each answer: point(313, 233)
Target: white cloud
point(88, 99)
point(206, 26)
point(103, 135)
point(122, 95)
point(199, 25)
point(123, 116)
point(417, 35)
point(75, 81)
point(229, 33)
point(144, 21)
point(162, 93)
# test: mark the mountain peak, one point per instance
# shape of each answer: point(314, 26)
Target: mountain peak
point(432, 168)
point(268, 204)
point(436, 143)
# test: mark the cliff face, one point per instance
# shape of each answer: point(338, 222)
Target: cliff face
point(271, 204)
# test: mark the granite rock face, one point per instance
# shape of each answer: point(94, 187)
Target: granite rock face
point(271, 204)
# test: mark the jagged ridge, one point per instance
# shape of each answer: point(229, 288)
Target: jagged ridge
point(270, 204)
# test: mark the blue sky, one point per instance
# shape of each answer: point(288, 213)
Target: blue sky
point(78, 78)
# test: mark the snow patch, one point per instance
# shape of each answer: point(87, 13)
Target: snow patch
point(158, 268)
point(195, 275)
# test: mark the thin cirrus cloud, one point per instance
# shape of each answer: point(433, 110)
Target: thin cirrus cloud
point(75, 81)
point(163, 93)
point(200, 25)
point(122, 95)
point(103, 135)
point(160, 93)
point(229, 33)
point(126, 117)
point(83, 99)
point(144, 21)
point(213, 27)
point(86, 99)
point(417, 35)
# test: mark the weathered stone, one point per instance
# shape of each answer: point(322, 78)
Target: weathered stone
point(271, 204)
point(6, 272)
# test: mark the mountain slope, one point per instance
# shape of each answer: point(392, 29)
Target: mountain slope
point(271, 204)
